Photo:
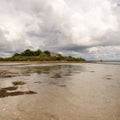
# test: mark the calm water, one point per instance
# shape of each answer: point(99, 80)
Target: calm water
point(84, 91)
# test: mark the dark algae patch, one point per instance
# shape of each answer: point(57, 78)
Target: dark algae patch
point(39, 82)
point(67, 74)
point(11, 91)
point(5, 93)
point(51, 116)
point(108, 78)
point(57, 75)
point(18, 83)
point(20, 93)
point(5, 74)
point(62, 85)
point(92, 71)
point(11, 88)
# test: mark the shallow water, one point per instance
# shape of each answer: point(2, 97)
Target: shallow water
point(71, 91)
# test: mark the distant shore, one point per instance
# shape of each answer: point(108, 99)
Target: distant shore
point(45, 62)
point(41, 56)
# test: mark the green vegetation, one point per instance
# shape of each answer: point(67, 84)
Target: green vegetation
point(38, 55)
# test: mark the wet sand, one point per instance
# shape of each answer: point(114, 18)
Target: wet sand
point(66, 91)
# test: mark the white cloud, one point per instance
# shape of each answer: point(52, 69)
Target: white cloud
point(108, 52)
point(74, 27)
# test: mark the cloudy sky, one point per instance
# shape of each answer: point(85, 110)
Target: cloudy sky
point(86, 28)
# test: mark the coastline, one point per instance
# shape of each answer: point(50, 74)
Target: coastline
point(44, 62)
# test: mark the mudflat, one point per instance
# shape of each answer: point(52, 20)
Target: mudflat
point(59, 91)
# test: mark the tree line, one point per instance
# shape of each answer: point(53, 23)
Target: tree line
point(39, 55)
point(29, 52)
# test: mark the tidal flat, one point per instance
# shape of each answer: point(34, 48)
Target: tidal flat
point(59, 91)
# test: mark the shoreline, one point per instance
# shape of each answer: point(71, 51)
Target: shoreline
point(44, 62)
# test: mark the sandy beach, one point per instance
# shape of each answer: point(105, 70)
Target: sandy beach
point(59, 91)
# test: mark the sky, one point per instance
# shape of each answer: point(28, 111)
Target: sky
point(79, 28)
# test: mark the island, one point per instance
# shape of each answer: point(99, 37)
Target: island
point(39, 55)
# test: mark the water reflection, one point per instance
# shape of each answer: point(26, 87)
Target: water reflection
point(55, 75)
point(61, 69)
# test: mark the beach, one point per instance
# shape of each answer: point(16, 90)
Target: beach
point(59, 91)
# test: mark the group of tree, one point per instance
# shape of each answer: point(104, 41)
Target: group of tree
point(29, 52)
point(39, 55)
